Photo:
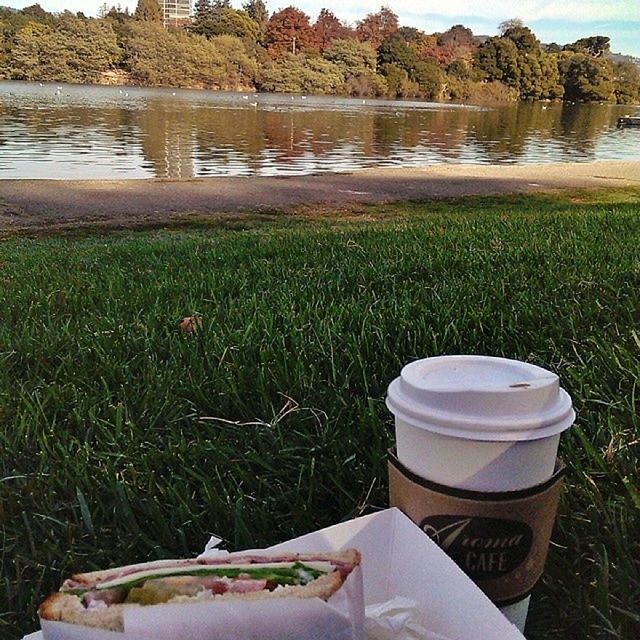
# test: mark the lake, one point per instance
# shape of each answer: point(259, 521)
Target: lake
point(77, 132)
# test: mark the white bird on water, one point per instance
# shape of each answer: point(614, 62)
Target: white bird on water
point(254, 105)
point(245, 97)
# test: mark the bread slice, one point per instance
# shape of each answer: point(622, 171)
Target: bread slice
point(68, 607)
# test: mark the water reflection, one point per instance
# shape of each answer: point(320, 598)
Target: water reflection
point(85, 132)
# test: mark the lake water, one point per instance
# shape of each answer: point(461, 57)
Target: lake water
point(76, 132)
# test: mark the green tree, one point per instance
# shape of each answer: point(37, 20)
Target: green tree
point(148, 11)
point(398, 83)
point(394, 50)
point(351, 56)
point(586, 79)
point(626, 78)
point(257, 11)
point(234, 23)
point(357, 62)
point(430, 78)
point(92, 46)
point(39, 53)
point(530, 75)
point(36, 11)
point(77, 51)
point(5, 50)
point(157, 57)
point(240, 69)
point(460, 69)
point(595, 46)
point(302, 74)
point(551, 84)
point(524, 39)
point(202, 13)
point(497, 59)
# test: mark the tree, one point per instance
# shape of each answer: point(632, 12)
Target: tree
point(430, 79)
point(157, 57)
point(395, 51)
point(458, 68)
point(552, 47)
point(626, 78)
point(398, 83)
point(596, 46)
point(507, 25)
point(202, 12)
point(524, 39)
point(328, 28)
point(5, 72)
point(148, 11)
point(458, 35)
point(35, 11)
point(497, 59)
point(585, 78)
point(351, 56)
point(357, 62)
point(551, 85)
point(424, 45)
point(375, 27)
point(289, 31)
point(240, 69)
point(235, 23)
point(302, 74)
point(531, 82)
point(77, 51)
point(257, 11)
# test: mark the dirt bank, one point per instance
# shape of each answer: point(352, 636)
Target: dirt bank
point(39, 204)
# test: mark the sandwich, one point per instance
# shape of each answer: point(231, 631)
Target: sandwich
point(100, 599)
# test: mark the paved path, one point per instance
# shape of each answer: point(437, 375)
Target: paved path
point(33, 204)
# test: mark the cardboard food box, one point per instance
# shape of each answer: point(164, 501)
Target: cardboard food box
point(398, 560)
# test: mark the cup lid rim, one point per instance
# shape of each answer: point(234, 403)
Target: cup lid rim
point(442, 395)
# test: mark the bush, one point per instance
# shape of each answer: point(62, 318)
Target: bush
point(302, 74)
point(491, 93)
point(156, 57)
point(398, 83)
point(366, 84)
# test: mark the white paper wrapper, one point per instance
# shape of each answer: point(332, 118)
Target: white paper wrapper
point(340, 618)
point(396, 619)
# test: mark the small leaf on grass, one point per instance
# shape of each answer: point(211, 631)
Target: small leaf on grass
point(191, 324)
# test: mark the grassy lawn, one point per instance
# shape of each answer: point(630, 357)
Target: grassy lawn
point(124, 439)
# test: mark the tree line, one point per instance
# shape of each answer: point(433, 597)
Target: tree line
point(249, 49)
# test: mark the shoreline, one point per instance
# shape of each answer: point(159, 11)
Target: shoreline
point(40, 204)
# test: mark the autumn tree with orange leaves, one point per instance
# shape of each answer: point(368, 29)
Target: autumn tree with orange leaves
point(289, 31)
point(329, 28)
point(376, 27)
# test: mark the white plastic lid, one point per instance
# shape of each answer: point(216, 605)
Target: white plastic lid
point(481, 398)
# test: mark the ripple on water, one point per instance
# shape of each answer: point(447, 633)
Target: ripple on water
point(103, 132)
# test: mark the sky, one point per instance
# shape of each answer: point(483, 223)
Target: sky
point(560, 21)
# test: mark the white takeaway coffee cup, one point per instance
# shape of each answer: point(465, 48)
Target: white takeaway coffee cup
point(481, 424)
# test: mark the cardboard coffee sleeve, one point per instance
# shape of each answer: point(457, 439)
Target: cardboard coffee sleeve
point(499, 539)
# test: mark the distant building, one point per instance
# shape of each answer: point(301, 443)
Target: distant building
point(176, 13)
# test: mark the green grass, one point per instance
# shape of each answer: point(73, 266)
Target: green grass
point(123, 439)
